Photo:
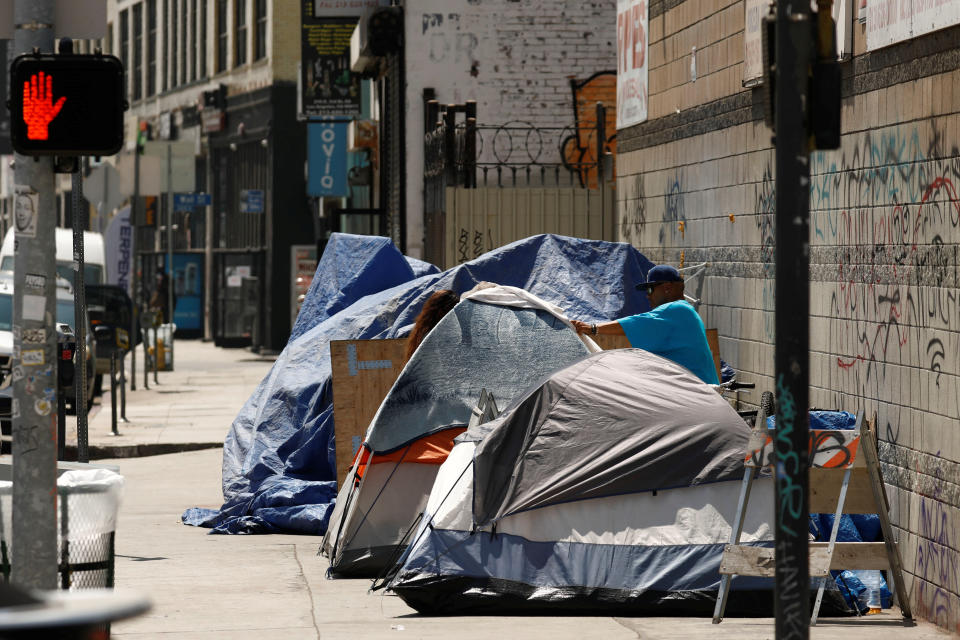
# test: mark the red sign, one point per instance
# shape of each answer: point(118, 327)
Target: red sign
point(66, 105)
point(38, 106)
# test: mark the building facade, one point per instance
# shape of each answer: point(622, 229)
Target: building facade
point(221, 75)
point(695, 183)
point(514, 59)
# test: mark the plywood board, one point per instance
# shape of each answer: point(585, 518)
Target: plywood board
point(759, 561)
point(713, 340)
point(363, 372)
point(608, 341)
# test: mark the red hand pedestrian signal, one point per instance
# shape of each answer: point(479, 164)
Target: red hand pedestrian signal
point(39, 109)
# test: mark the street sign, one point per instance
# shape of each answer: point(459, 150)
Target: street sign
point(190, 201)
point(251, 201)
point(66, 105)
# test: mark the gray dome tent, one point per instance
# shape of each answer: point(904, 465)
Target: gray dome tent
point(478, 345)
point(607, 487)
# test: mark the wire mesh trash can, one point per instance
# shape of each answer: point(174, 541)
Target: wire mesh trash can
point(87, 506)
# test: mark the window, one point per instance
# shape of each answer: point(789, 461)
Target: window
point(196, 52)
point(164, 82)
point(261, 46)
point(221, 35)
point(202, 49)
point(183, 41)
point(125, 47)
point(138, 51)
point(151, 47)
point(173, 43)
point(241, 31)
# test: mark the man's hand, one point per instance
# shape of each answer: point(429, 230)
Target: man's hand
point(581, 327)
point(39, 109)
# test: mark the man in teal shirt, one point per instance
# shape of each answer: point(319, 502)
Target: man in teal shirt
point(672, 328)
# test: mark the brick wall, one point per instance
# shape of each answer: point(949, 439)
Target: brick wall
point(885, 305)
point(514, 57)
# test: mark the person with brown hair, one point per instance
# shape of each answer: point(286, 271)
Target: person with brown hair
point(436, 306)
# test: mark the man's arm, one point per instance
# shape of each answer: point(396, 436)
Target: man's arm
point(606, 328)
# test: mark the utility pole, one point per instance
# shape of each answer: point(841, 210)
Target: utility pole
point(793, 59)
point(169, 319)
point(34, 554)
point(134, 279)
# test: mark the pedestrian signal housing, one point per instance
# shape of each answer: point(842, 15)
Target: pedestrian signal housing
point(66, 105)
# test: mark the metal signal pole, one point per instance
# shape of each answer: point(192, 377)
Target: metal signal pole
point(794, 56)
point(34, 554)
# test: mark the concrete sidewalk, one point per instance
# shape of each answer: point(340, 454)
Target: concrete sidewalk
point(191, 408)
point(264, 587)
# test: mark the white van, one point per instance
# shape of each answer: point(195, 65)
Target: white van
point(94, 257)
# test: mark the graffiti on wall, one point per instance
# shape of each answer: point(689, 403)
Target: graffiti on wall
point(765, 205)
point(632, 209)
point(579, 149)
point(885, 208)
point(885, 218)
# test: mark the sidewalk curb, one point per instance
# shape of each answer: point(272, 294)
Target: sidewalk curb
point(100, 452)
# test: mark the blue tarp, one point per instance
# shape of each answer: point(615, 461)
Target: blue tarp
point(279, 466)
point(853, 527)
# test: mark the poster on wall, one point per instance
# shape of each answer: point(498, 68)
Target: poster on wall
point(892, 21)
point(329, 88)
point(843, 18)
point(753, 42)
point(188, 287)
point(632, 76)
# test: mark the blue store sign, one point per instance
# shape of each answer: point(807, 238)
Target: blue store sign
point(327, 159)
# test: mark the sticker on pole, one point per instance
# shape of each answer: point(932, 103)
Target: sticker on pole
point(25, 206)
point(33, 307)
point(32, 357)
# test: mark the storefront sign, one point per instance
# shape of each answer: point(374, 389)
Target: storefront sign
point(327, 159)
point(891, 21)
point(753, 41)
point(340, 8)
point(212, 120)
point(329, 88)
point(632, 87)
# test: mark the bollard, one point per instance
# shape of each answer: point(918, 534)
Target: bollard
point(123, 387)
point(146, 359)
point(161, 353)
point(113, 392)
point(61, 426)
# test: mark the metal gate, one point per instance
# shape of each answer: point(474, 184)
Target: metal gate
point(486, 186)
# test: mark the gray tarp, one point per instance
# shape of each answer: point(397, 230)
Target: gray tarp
point(476, 346)
point(653, 425)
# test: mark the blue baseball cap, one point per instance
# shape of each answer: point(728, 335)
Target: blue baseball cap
point(659, 274)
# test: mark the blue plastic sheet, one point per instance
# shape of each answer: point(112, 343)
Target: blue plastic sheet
point(853, 527)
point(279, 466)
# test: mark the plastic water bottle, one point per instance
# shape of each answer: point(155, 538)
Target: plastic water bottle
point(871, 595)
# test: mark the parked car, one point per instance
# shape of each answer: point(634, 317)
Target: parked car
point(66, 350)
point(64, 316)
point(111, 313)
